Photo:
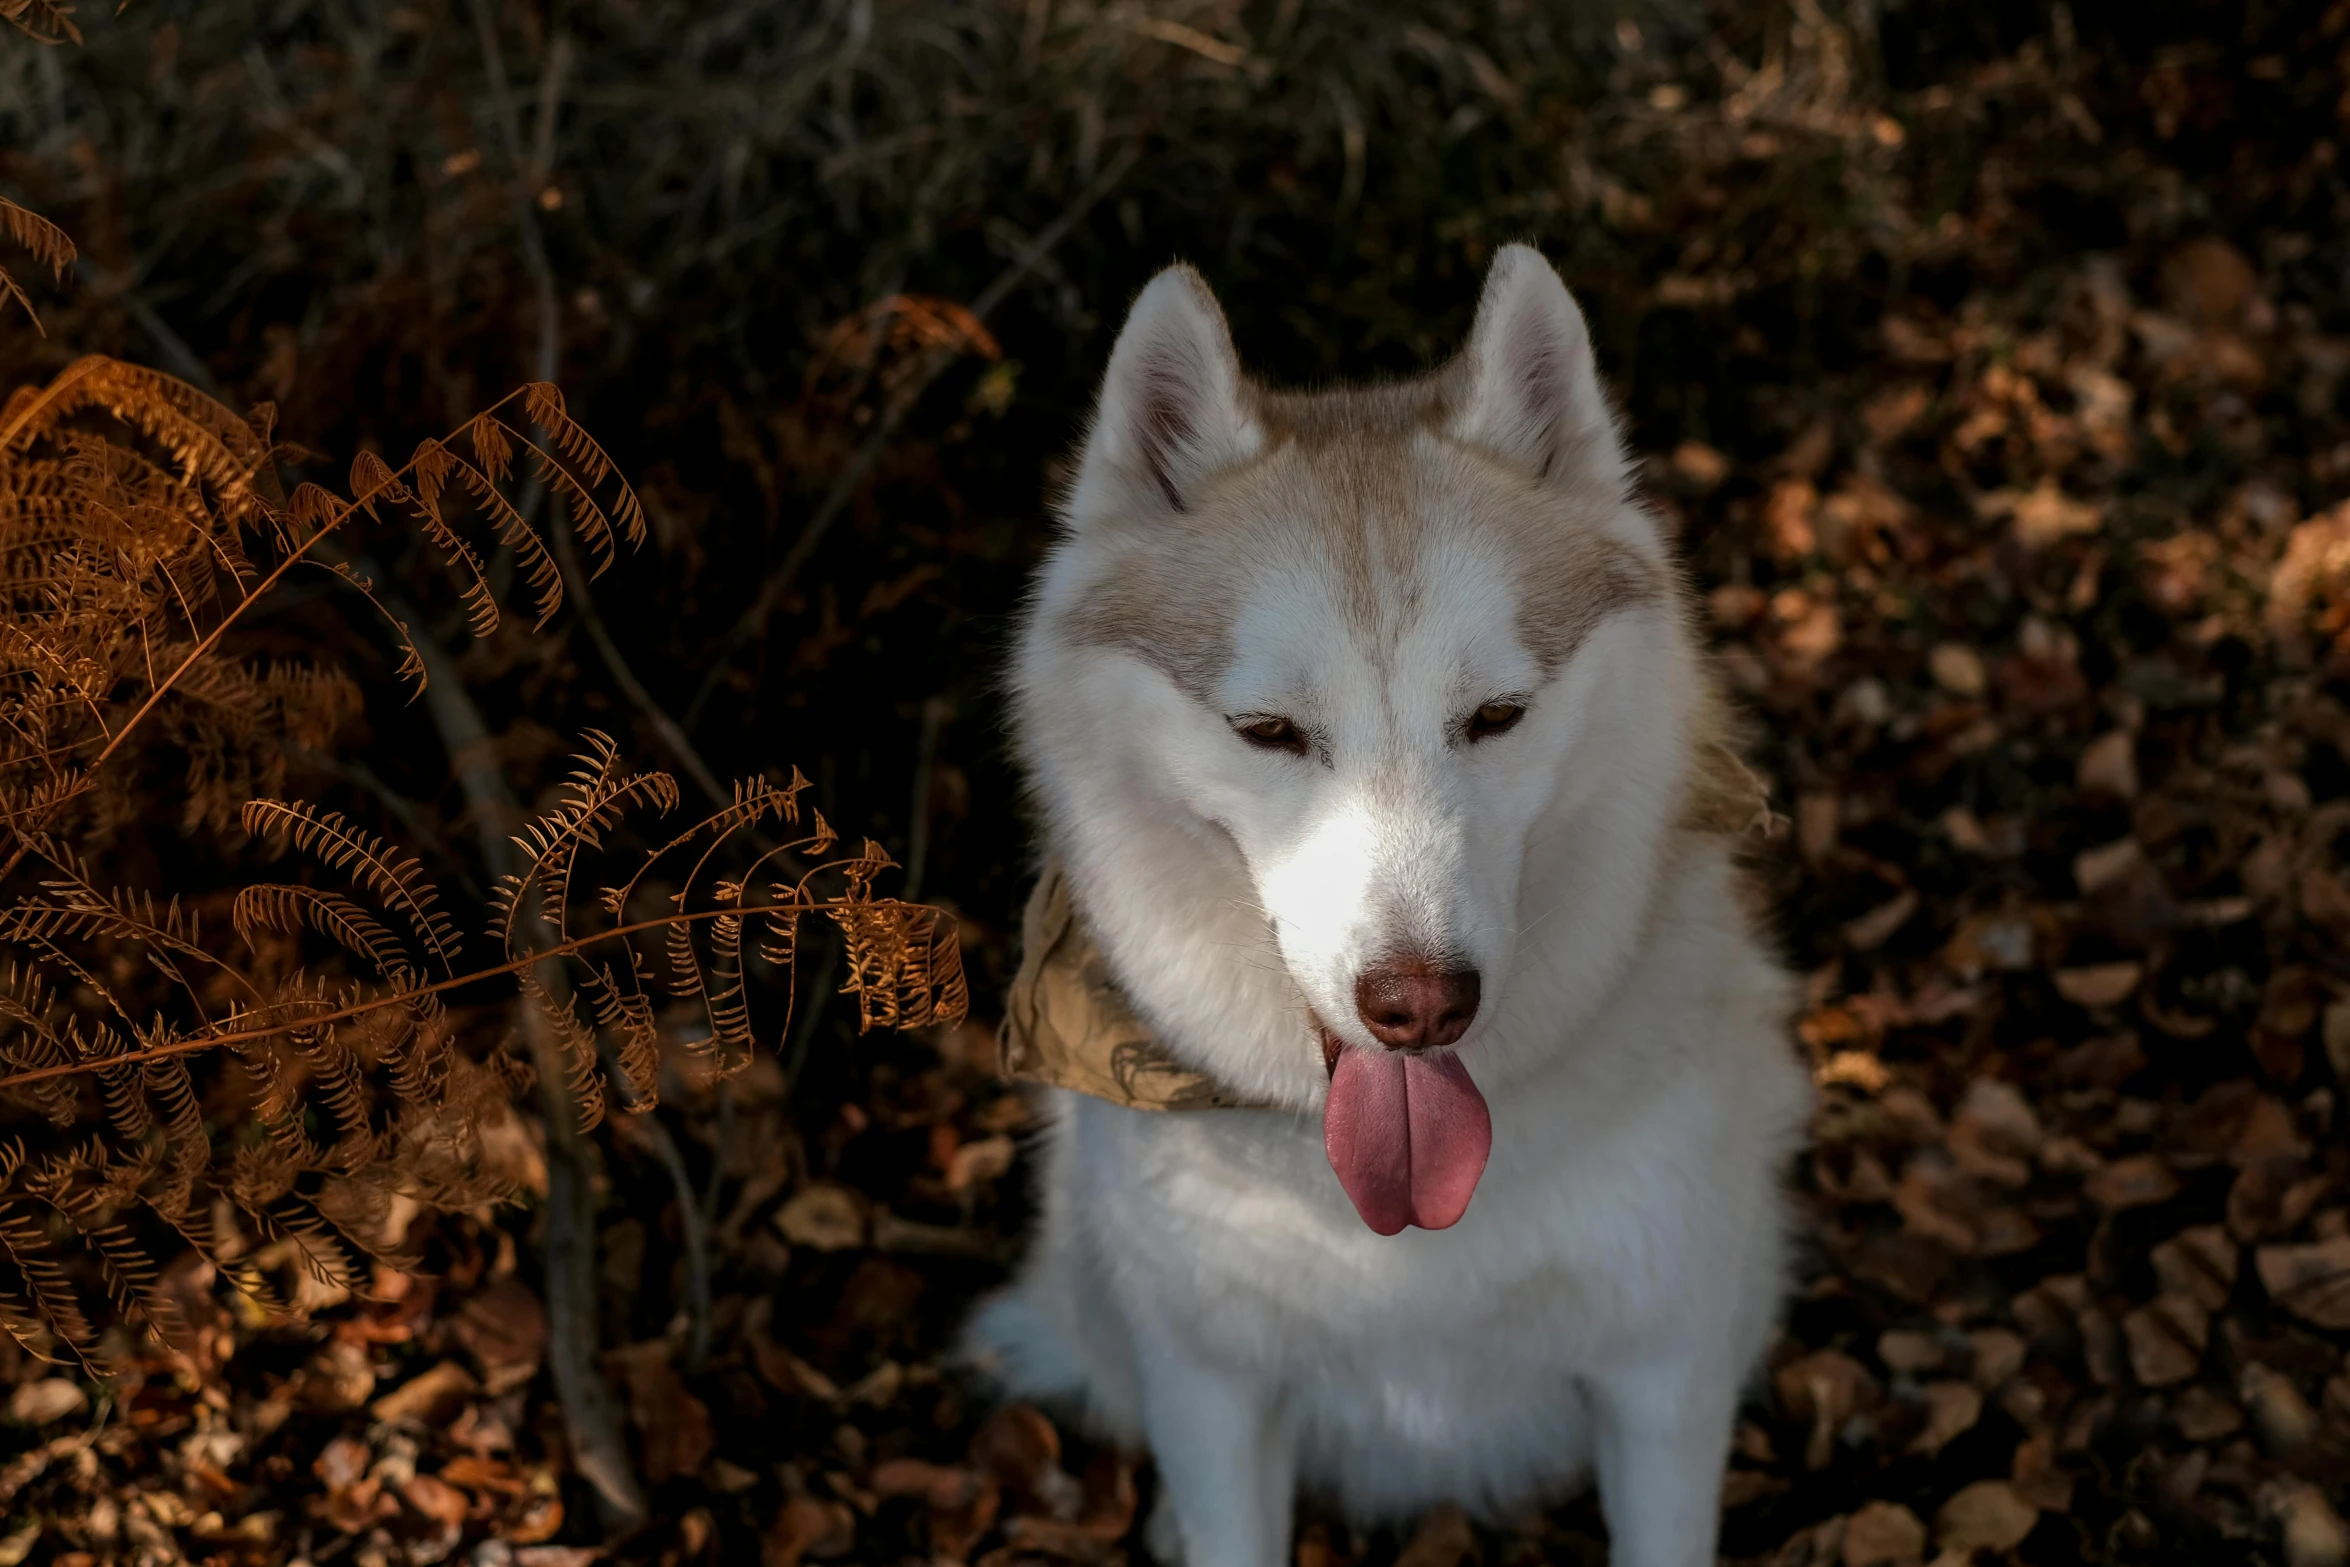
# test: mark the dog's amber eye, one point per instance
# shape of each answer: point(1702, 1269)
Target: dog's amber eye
point(1493, 718)
point(1274, 734)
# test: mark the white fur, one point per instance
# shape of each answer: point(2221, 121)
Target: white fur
point(1201, 1283)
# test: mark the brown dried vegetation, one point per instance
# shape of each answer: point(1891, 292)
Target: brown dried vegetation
point(279, 1061)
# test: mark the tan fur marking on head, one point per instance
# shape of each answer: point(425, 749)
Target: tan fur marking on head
point(1337, 471)
point(1573, 585)
point(1184, 635)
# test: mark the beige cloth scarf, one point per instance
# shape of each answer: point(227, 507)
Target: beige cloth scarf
point(1065, 1024)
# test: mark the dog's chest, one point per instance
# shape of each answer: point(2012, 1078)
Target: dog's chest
point(1234, 1228)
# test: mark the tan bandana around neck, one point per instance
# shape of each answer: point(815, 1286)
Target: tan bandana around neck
point(1067, 1025)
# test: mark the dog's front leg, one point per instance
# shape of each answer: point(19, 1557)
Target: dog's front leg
point(1660, 1441)
point(1227, 1465)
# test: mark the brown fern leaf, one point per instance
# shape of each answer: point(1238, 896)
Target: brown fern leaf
point(124, 1089)
point(574, 1044)
point(430, 469)
point(595, 796)
point(396, 880)
point(493, 447)
point(905, 965)
point(185, 1141)
point(411, 671)
point(29, 1247)
point(30, 230)
point(577, 449)
point(515, 532)
point(43, 21)
point(90, 1189)
point(754, 801)
point(725, 1001)
point(779, 926)
point(313, 510)
point(277, 906)
point(311, 1236)
point(422, 1059)
point(588, 519)
point(335, 1075)
point(624, 1013)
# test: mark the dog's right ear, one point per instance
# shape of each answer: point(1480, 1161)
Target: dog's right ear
point(1174, 410)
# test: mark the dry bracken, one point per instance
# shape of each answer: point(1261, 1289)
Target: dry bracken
point(312, 1066)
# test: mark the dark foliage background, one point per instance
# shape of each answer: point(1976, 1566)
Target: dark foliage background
point(1990, 358)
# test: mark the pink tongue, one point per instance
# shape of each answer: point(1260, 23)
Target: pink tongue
point(1408, 1136)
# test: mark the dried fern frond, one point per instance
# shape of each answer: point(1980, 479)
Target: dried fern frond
point(395, 879)
point(43, 21)
point(27, 229)
point(140, 522)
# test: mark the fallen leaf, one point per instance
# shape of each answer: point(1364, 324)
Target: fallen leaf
point(1957, 669)
point(1985, 1516)
point(1022, 1449)
point(1824, 1387)
point(1874, 928)
point(2280, 1414)
point(2108, 865)
point(504, 1328)
point(1883, 1534)
point(823, 1218)
point(2203, 1416)
point(435, 1499)
point(672, 1424)
point(2045, 515)
point(2314, 1533)
point(341, 1462)
point(1907, 1350)
point(1951, 1408)
point(807, 1527)
point(2312, 1282)
point(2199, 1263)
point(1998, 1355)
point(2098, 984)
point(2110, 766)
point(1443, 1539)
point(1788, 528)
point(1700, 466)
point(49, 1399)
point(2133, 1182)
point(942, 1485)
point(2166, 1339)
point(786, 1372)
point(429, 1397)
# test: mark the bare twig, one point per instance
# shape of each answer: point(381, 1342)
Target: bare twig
point(590, 1415)
point(691, 1222)
point(935, 713)
point(573, 1339)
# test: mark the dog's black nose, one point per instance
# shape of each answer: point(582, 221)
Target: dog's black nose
point(1414, 1005)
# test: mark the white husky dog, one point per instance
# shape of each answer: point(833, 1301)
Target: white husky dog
point(1386, 772)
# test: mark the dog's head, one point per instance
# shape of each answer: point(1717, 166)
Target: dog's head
point(1384, 644)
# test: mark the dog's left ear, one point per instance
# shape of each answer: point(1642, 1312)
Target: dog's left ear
point(1526, 388)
